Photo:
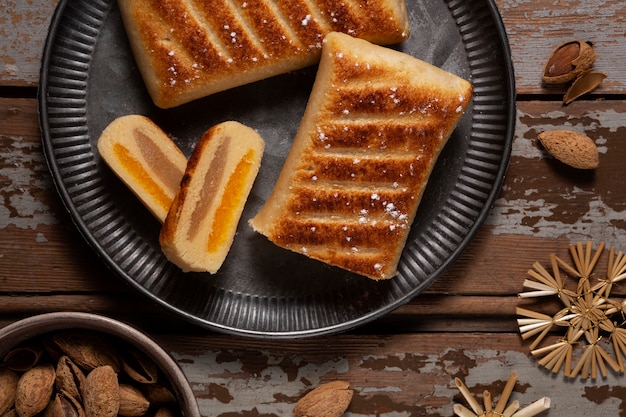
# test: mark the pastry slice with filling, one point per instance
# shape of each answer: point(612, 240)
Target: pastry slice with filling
point(145, 159)
point(201, 224)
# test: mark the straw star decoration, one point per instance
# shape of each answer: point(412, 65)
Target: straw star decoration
point(588, 313)
point(502, 408)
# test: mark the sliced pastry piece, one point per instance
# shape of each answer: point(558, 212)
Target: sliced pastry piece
point(187, 49)
point(201, 224)
point(375, 124)
point(145, 159)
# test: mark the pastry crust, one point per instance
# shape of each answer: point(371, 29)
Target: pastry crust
point(187, 49)
point(201, 224)
point(375, 124)
point(145, 159)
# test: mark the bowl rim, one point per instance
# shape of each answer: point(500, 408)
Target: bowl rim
point(30, 327)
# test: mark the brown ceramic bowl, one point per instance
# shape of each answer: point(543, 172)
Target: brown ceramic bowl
point(32, 327)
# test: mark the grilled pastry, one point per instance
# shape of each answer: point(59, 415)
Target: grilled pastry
point(375, 124)
point(145, 159)
point(201, 224)
point(187, 49)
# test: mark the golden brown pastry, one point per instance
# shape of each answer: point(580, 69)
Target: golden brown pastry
point(187, 49)
point(372, 131)
point(145, 159)
point(201, 224)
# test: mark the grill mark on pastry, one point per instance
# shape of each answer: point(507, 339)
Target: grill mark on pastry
point(376, 133)
point(364, 193)
point(317, 16)
point(226, 26)
point(351, 169)
point(203, 26)
point(347, 200)
point(340, 16)
point(302, 19)
point(372, 13)
point(249, 33)
point(338, 233)
point(276, 35)
point(393, 102)
point(178, 55)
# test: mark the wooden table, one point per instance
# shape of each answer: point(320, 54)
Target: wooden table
point(404, 363)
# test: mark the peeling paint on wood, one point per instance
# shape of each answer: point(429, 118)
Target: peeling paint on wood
point(406, 376)
point(21, 206)
point(23, 28)
point(536, 27)
point(23, 170)
point(544, 198)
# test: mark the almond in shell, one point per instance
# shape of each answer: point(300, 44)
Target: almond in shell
point(132, 402)
point(34, 390)
point(139, 366)
point(101, 393)
point(8, 389)
point(585, 83)
point(62, 405)
point(572, 148)
point(70, 379)
point(22, 358)
point(158, 394)
point(165, 412)
point(88, 350)
point(328, 400)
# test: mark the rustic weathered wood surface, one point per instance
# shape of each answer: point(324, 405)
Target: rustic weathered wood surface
point(402, 364)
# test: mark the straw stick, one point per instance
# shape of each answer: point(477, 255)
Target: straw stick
point(506, 392)
point(535, 408)
point(468, 396)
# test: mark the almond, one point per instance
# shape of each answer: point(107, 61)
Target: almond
point(34, 390)
point(158, 394)
point(328, 400)
point(568, 61)
point(164, 412)
point(62, 405)
point(8, 385)
point(571, 148)
point(132, 402)
point(87, 349)
point(139, 366)
point(101, 393)
point(70, 379)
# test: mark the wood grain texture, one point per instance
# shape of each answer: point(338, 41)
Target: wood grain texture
point(402, 375)
point(23, 30)
point(402, 364)
point(534, 28)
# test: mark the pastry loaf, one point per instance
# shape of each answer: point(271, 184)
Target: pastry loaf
point(375, 124)
point(201, 224)
point(187, 49)
point(145, 159)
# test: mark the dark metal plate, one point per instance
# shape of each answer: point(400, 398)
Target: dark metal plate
point(89, 78)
